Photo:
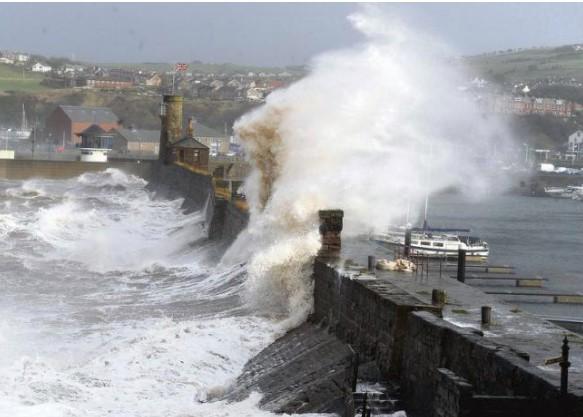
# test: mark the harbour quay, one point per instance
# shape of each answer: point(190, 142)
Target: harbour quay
point(442, 347)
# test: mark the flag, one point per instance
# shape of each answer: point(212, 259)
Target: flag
point(181, 67)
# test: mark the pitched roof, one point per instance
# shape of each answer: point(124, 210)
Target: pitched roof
point(82, 114)
point(189, 143)
point(92, 131)
point(139, 135)
point(202, 131)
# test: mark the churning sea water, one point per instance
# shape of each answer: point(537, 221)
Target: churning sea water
point(111, 304)
point(538, 236)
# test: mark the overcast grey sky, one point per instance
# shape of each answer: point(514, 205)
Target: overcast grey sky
point(265, 33)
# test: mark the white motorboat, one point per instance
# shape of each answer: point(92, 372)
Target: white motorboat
point(435, 242)
point(574, 192)
point(555, 192)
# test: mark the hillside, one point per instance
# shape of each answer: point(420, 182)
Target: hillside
point(205, 68)
point(13, 78)
point(561, 63)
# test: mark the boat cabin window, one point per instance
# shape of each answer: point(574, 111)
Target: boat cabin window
point(438, 244)
point(425, 243)
point(453, 239)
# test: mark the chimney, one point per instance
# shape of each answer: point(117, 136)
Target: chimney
point(190, 131)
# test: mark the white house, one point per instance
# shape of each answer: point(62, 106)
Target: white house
point(575, 143)
point(5, 60)
point(38, 67)
point(575, 140)
point(255, 94)
point(22, 57)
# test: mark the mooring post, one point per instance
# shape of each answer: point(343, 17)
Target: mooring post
point(355, 365)
point(438, 297)
point(486, 315)
point(364, 405)
point(407, 248)
point(427, 272)
point(461, 265)
point(372, 264)
point(330, 230)
point(565, 367)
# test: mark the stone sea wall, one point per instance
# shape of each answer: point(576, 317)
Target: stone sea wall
point(223, 219)
point(443, 370)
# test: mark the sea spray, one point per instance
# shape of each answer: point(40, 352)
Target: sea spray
point(369, 130)
point(108, 308)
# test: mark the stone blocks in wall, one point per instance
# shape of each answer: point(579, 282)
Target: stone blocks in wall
point(305, 371)
point(388, 326)
point(330, 229)
point(453, 395)
point(223, 220)
point(492, 369)
point(370, 315)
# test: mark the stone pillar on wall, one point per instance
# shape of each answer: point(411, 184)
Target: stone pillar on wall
point(173, 117)
point(171, 128)
point(330, 230)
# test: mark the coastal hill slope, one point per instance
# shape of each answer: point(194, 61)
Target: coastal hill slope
point(560, 63)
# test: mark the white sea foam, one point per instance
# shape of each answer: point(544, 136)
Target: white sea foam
point(107, 222)
point(369, 130)
point(109, 309)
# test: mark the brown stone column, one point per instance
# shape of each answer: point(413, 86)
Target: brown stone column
point(173, 118)
point(330, 230)
point(171, 129)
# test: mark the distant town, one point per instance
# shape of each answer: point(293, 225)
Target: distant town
point(49, 102)
point(241, 86)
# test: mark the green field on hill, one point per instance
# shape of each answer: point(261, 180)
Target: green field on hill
point(15, 79)
point(529, 64)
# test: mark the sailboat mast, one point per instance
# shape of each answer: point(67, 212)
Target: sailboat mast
point(23, 124)
point(428, 173)
point(426, 209)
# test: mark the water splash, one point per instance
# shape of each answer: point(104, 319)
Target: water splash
point(108, 309)
point(369, 130)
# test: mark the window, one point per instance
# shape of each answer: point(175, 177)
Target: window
point(438, 244)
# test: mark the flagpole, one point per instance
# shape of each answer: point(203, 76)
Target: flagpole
point(173, 76)
point(177, 67)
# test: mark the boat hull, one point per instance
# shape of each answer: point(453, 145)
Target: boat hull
point(417, 250)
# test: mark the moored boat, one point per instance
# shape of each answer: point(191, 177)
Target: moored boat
point(435, 242)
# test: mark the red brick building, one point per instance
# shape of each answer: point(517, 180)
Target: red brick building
point(65, 123)
point(522, 105)
point(107, 83)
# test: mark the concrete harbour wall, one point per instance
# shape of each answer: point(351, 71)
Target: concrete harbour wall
point(223, 219)
point(443, 370)
point(20, 169)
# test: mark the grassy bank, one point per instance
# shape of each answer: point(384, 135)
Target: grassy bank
point(17, 80)
point(529, 64)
